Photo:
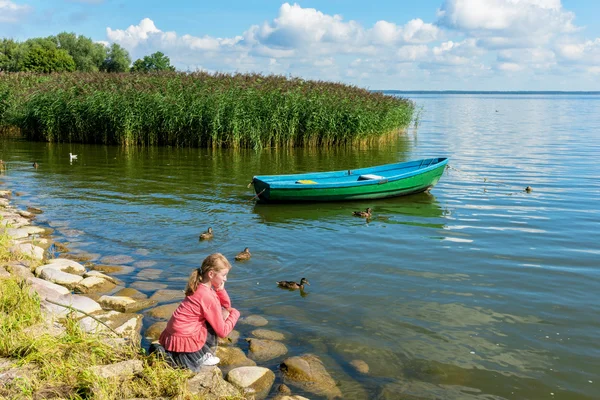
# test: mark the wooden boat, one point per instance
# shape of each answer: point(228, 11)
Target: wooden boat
point(378, 182)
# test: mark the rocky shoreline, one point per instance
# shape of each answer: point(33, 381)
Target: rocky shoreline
point(102, 306)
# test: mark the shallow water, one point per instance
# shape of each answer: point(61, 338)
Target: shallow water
point(475, 290)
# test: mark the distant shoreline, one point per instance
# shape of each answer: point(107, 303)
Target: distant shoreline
point(520, 92)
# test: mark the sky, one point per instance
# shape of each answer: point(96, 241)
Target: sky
point(393, 45)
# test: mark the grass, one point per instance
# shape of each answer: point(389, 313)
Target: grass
point(196, 110)
point(57, 366)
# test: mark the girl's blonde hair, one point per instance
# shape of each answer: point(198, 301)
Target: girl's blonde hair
point(214, 262)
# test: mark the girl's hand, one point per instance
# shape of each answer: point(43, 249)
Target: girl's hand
point(220, 287)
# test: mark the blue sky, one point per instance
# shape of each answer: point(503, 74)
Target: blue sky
point(402, 45)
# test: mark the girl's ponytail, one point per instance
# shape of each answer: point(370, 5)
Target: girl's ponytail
point(193, 282)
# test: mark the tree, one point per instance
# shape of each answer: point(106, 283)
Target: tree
point(117, 60)
point(46, 60)
point(153, 63)
point(88, 56)
point(10, 55)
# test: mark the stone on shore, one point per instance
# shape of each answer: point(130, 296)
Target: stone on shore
point(118, 371)
point(62, 264)
point(252, 380)
point(47, 290)
point(124, 304)
point(77, 302)
point(233, 357)
point(99, 274)
point(148, 286)
point(113, 269)
point(4, 274)
point(18, 269)
point(94, 284)
point(209, 384)
point(308, 373)
point(65, 279)
point(264, 350)
point(29, 250)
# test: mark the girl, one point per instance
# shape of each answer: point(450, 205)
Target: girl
point(205, 311)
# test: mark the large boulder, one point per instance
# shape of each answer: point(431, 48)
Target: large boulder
point(65, 279)
point(252, 380)
point(163, 312)
point(232, 357)
point(262, 350)
point(94, 284)
point(267, 334)
point(153, 332)
point(124, 304)
point(209, 384)
point(254, 320)
point(75, 303)
point(47, 290)
point(308, 373)
point(62, 264)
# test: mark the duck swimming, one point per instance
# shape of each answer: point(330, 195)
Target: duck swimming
point(207, 235)
point(363, 214)
point(293, 285)
point(244, 255)
point(35, 165)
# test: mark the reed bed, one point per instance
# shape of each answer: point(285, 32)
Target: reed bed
point(196, 110)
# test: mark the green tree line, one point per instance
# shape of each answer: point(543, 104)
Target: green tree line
point(69, 52)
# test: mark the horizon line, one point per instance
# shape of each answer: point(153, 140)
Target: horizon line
point(587, 92)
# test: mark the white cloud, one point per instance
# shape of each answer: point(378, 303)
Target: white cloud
point(587, 52)
point(415, 31)
point(12, 13)
point(506, 23)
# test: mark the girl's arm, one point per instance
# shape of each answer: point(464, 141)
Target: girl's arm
point(213, 315)
point(224, 298)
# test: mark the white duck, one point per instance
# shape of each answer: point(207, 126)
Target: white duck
point(72, 156)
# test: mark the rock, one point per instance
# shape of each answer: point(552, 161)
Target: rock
point(252, 380)
point(63, 264)
point(209, 384)
point(120, 259)
point(131, 292)
point(26, 214)
point(153, 332)
point(254, 320)
point(47, 290)
point(34, 210)
point(124, 304)
point(231, 339)
point(264, 350)
point(93, 284)
point(163, 312)
point(308, 373)
point(40, 242)
point(118, 371)
point(4, 274)
point(360, 366)
point(232, 357)
point(164, 295)
point(267, 334)
point(77, 302)
point(144, 264)
point(113, 269)
point(150, 274)
point(18, 269)
point(148, 286)
point(99, 274)
point(29, 250)
point(67, 280)
point(5, 193)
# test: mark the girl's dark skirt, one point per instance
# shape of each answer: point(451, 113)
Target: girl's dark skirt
point(192, 361)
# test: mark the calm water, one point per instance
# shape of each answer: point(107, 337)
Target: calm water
point(476, 290)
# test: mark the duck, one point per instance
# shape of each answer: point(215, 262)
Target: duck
point(528, 189)
point(72, 156)
point(244, 255)
point(363, 214)
point(35, 165)
point(207, 235)
point(293, 285)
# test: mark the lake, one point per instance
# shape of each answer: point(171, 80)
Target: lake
point(476, 290)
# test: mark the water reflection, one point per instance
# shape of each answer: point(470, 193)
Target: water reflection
point(419, 209)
